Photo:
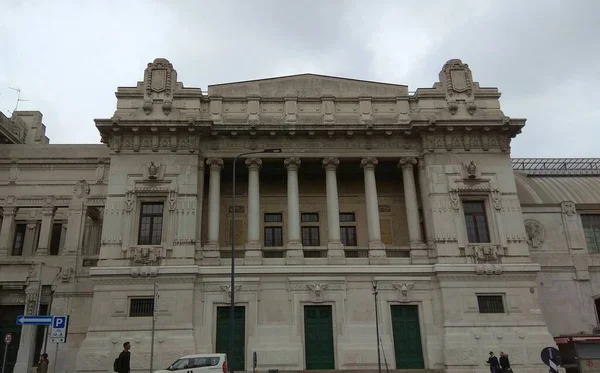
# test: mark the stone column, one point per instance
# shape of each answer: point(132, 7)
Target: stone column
point(376, 247)
point(214, 206)
point(29, 239)
point(199, 209)
point(46, 231)
point(27, 339)
point(334, 245)
point(294, 252)
point(7, 230)
point(253, 249)
point(425, 203)
point(412, 208)
point(75, 227)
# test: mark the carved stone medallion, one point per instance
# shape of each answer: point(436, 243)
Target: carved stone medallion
point(535, 233)
point(81, 189)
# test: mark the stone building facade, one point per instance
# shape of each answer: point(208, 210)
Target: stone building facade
point(349, 183)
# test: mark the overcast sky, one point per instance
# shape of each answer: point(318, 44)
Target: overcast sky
point(68, 57)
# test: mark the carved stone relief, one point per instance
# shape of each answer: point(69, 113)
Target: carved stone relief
point(146, 255)
point(81, 189)
point(568, 208)
point(535, 233)
point(317, 291)
point(486, 254)
point(404, 291)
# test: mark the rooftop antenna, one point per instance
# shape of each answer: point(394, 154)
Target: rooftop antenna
point(18, 90)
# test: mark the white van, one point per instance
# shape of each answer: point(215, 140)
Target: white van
point(205, 363)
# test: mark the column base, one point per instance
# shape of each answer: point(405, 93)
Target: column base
point(294, 253)
point(253, 254)
point(377, 253)
point(335, 253)
point(198, 251)
point(41, 251)
point(418, 253)
point(211, 255)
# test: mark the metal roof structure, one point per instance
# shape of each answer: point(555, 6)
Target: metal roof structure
point(557, 166)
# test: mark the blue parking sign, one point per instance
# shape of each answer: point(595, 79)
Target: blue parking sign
point(59, 329)
point(59, 322)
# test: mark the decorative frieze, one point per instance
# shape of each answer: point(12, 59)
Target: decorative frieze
point(473, 141)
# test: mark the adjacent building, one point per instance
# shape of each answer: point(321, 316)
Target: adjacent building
point(348, 185)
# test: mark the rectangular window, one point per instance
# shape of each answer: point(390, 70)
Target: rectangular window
point(347, 217)
point(19, 239)
point(55, 238)
point(141, 307)
point(151, 223)
point(476, 221)
point(490, 303)
point(273, 218)
point(310, 236)
point(309, 217)
point(591, 231)
point(348, 235)
point(273, 236)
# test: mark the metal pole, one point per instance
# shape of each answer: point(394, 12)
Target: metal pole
point(47, 326)
point(55, 357)
point(377, 326)
point(4, 359)
point(154, 310)
point(232, 274)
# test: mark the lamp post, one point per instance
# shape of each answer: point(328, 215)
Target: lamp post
point(232, 305)
point(377, 325)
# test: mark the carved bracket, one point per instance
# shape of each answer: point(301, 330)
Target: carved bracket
point(568, 208)
point(65, 274)
point(488, 269)
point(172, 200)
point(129, 199)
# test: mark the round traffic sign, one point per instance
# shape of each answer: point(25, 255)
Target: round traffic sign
point(7, 338)
point(590, 363)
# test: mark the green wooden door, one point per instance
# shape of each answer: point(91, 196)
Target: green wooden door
point(318, 337)
point(8, 318)
point(407, 337)
point(239, 343)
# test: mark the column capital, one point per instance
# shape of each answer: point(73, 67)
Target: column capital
point(330, 163)
point(292, 162)
point(369, 163)
point(407, 163)
point(49, 211)
point(215, 163)
point(9, 211)
point(253, 163)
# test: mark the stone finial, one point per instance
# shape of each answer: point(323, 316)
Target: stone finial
point(457, 82)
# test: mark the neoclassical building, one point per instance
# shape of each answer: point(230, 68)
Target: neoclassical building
point(348, 184)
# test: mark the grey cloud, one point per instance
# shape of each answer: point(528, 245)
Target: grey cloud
point(69, 56)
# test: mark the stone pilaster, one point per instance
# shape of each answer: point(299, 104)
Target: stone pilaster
point(7, 230)
point(211, 248)
point(376, 247)
point(294, 252)
point(418, 249)
point(253, 249)
point(335, 249)
point(46, 230)
point(200, 210)
point(75, 226)
point(29, 238)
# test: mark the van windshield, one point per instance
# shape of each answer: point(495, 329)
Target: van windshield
point(180, 364)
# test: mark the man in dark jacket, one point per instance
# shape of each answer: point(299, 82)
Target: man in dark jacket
point(124, 358)
point(494, 364)
point(504, 363)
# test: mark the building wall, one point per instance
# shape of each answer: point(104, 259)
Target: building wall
point(430, 152)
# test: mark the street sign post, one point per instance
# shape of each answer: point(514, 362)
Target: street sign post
point(59, 329)
point(34, 320)
point(550, 356)
point(7, 340)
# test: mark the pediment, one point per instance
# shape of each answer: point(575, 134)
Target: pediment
point(308, 86)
